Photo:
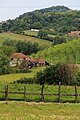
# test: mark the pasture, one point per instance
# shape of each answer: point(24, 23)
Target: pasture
point(8, 78)
point(12, 36)
point(10, 110)
point(29, 32)
point(14, 86)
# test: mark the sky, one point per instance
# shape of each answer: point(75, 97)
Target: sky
point(10, 9)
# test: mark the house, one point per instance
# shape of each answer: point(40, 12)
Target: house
point(34, 61)
point(38, 62)
point(26, 64)
point(74, 33)
point(31, 62)
point(24, 61)
point(41, 62)
point(17, 58)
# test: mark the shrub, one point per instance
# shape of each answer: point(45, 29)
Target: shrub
point(25, 81)
point(61, 72)
point(77, 80)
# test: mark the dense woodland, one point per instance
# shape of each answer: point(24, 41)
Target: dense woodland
point(60, 19)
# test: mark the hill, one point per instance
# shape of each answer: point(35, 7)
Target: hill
point(58, 18)
point(65, 52)
point(12, 36)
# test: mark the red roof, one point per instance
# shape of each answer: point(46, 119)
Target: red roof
point(37, 60)
point(18, 55)
point(33, 60)
point(41, 60)
point(74, 33)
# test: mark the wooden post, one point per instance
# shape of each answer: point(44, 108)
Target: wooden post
point(24, 93)
point(76, 94)
point(6, 92)
point(42, 95)
point(59, 90)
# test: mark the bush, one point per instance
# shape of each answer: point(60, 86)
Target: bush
point(25, 81)
point(77, 80)
point(61, 72)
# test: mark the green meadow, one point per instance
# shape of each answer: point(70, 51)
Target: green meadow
point(8, 78)
point(61, 53)
point(29, 32)
point(38, 111)
point(12, 36)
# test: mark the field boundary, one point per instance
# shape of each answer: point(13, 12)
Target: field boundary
point(6, 93)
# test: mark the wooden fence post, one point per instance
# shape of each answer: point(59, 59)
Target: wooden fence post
point(76, 94)
point(59, 90)
point(42, 95)
point(24, 93)
point(6, 92)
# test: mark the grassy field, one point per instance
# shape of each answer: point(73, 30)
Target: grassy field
point(13, 77)
point(38, 111)
point(29, 32)
point(9, 35)
point(61, 53)
point(34, 88)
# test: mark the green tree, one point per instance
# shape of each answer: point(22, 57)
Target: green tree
point(37, 25)
point(4, 65)
point(59, 39)
point(57, 73)
point(43, 33)
point(8, 50)
point(9, 42)
point(27, 47)
point(0, 29)
point(5, 27)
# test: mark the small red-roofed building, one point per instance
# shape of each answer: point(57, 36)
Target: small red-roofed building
point(41, 62)
point(24, 61)
point(17, 59)
point(74, 33)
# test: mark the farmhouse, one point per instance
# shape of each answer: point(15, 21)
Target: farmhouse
point(38, 62)
point(19, 59)
point(74, 33)
point(41, 62)
point(34, 61)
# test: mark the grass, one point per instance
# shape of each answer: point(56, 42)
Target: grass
point(9, 35)
point(61, 53)
point(13, 77)
point(29, 32)
point(50, 35)
point(38, 111)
